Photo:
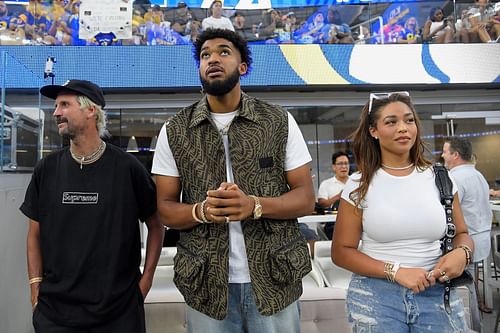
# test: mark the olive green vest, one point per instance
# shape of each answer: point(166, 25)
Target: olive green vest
point(277, 253)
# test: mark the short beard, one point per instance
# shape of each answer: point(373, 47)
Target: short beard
point(221, 87)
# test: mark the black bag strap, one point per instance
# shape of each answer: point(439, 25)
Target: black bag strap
point(445, 187)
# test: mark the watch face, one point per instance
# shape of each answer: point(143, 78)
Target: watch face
point(257, 212)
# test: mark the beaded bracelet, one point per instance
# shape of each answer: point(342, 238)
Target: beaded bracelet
point(202, 212)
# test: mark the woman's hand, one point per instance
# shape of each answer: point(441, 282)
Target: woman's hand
point(413, 278)
point(450, 265)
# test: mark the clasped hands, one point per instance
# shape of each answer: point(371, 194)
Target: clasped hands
point(448, 267)
point(228, 203)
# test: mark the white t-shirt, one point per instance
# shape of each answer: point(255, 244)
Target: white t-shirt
point(330, 187)
point(403, 219)
point(217, 23)
point(473, 192)
point(297, 155)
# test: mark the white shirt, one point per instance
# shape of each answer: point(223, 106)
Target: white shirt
point(330, 187)
point(473, 193)
point(403, 219)
point(217, 23)
point(296, 155)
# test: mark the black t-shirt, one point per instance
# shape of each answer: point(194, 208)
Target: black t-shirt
point(89, 233)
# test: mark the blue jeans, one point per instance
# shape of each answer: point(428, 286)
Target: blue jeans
point(243, 316)
point(379, 306)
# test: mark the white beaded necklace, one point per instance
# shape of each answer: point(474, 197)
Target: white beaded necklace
point(398, 168)
point(94, 156)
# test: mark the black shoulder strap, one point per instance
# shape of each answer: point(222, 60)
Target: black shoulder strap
point(445, 187)
point(444, 184)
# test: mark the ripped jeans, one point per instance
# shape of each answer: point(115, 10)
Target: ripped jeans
point(379, 306)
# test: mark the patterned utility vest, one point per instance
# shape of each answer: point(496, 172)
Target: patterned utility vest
point(277, 253)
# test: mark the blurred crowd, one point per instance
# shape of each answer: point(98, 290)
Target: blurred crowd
point(56, 22)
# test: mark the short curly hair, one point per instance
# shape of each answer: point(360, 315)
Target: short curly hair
point(239, 42)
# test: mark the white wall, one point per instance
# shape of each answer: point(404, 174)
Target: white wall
point(15, 306)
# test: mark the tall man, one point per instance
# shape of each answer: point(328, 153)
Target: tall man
point(473, 193)
point(83, 205)
point(242, 168)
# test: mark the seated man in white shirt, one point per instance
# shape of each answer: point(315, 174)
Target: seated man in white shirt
point(330, 189)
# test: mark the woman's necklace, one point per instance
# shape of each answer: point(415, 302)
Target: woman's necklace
point(398, 168)
point(89, 158)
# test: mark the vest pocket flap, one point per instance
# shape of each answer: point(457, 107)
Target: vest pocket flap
point(189, 272)
point(290, 262)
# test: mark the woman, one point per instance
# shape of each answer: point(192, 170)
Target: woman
point(393, 206)
point(438, 29)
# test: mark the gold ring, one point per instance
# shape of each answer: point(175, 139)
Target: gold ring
point(443, 273)
point(227, 219)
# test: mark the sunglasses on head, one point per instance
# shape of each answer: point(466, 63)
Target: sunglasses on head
point(384, 95)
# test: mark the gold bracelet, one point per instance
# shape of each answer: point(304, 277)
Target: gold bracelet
point(387, 270)
point(193, 213)
point(468, 253)
point(390, 270)
point(35, 280)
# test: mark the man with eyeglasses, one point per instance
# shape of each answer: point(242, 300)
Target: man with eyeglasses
point(330, 189)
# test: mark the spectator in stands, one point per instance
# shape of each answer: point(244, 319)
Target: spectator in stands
point(37, 25)
point(216, 20)
point(438, 29)
point(154, 14)
point(241, 28)
point(74, 25)
point(410, 34)
point(270, 21)
point(330, 189)
point(4, 16)
point(11, 28)
point(336, 31)
point(183, 18)
point(290, 23)
point(484, 27)
point(232, 173)
point(312, 32)
point(389, 227)
point(193, 34)
point(59, 28)
point(473, 192)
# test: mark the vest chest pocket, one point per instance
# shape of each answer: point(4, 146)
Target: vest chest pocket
point(189, 274)
point(290, 262)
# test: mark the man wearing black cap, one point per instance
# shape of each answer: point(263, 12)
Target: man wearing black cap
point(83, 205)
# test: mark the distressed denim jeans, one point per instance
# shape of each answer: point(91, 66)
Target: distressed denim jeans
point(379, 306)
point(243, 316)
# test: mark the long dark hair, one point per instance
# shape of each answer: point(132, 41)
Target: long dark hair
point(366, 148)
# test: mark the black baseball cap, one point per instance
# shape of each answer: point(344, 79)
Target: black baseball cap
point(78, 87)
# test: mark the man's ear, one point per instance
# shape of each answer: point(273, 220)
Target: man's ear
point(91, 112)
point(243, 68)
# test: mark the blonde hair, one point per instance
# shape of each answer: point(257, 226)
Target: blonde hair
point(100, 117)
